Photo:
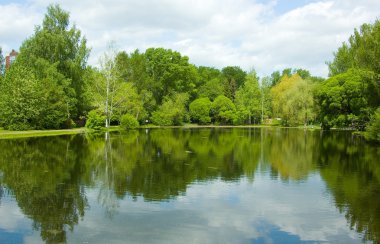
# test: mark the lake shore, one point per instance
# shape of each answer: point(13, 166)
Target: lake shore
point(7, 134)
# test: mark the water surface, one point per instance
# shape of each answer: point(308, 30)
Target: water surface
point(191, 186)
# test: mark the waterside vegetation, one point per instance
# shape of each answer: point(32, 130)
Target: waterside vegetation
point(50, 86)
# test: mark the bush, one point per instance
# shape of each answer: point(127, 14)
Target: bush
point(373, 129)
point(128, 121)
point(200, 110)
point(95, 120)
point(223, 110)
point(172, 111)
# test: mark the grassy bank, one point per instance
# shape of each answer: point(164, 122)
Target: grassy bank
point(6, 134)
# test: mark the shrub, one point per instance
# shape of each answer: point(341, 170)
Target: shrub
point(95, 120)
point(200, 110)
point(128, 121)
point(373, 129)
point(172, 111)
point(223, 110)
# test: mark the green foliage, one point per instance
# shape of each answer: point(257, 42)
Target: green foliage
point(233, 77)
point(211, 89)
point(275, 78)
point(373, 129)
point(128, 121)
point(29, 103)
point(57, 44)
point(95, 120)
point(169, 73)
point(362, 52)
point(172, 111)
point(248, 99)
point(293, 100)
point(265, 88)
point(200, 110)
point(343, 101)
point(223, 110)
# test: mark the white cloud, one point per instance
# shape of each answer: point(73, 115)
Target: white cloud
point(213, 33)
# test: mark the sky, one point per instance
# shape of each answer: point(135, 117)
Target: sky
point(266, 35)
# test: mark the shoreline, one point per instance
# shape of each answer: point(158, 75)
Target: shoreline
point(6, 134)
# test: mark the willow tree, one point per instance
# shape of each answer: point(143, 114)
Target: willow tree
point(293, 101)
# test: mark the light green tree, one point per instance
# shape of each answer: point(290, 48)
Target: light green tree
point(293, 100)
point(172, 111)
point(223, 110)
point(29, 103)
point(248, 99)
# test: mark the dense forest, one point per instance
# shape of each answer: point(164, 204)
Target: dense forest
point(51, 86)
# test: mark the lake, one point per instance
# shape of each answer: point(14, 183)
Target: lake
point(206, 185)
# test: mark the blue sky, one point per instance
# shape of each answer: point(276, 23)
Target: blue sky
point(265, 35)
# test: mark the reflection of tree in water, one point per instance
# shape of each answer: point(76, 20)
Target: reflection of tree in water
point(160, 164)
point(291, 152)
point(352, 173)
point(45, 179)
point(105, 172)
point(47, 175)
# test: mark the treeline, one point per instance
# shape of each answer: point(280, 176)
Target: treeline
point(51, 86)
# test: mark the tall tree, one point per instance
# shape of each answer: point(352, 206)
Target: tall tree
point(293, 100)
point(275, 77)
point(234, 77)
point(58, 43)
point(248, 98)
point(110, 92)
point(266, 99)
point(355, 65)
point(170, 73)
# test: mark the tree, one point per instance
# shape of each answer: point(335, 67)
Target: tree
point(362, 52)
point(56, 43)
point(373, 129)
point(266, 99)
point(172, 111)
point(293, 100)
point(233, 77)
point(343, 100)
point(275, 77)
point(287, 72)
point(223, 110)
point(30, 103)
point(110, 93)
point(170, 73)
point(305, 74)
point(248, 99)
point(200, 110)
point(211, 89)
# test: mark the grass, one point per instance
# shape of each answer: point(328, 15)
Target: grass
point(6, 134)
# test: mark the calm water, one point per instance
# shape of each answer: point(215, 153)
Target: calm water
point(190, 186)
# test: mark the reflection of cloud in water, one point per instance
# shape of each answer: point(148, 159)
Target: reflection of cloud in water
point(223, 212)
point(14, 226)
